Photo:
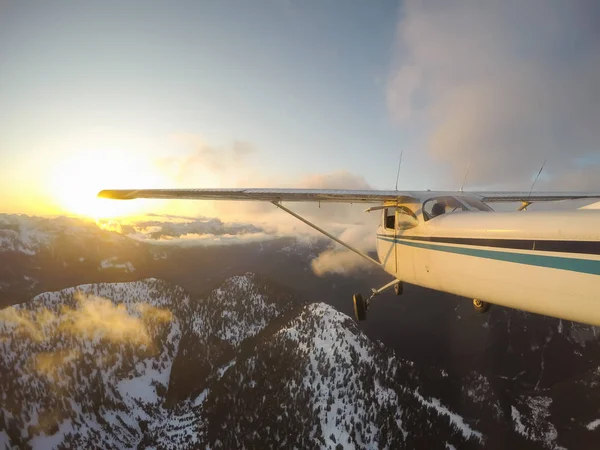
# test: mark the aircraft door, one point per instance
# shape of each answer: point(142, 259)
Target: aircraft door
point(386, 248)
point(396, 259)
point(396, 242)
point(403, 254)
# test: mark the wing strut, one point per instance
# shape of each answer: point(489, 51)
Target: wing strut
point(330, 236)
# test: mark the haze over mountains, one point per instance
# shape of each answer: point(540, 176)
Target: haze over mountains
point(243, 345)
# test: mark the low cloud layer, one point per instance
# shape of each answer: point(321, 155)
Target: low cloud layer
point(505, 85)
point(341, 262)
point(242, 222)
point(91, 318)
point(233, 165)
point(97, 317)
point(198, 227)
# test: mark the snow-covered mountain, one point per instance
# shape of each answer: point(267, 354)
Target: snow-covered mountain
point(249, 365)
point(519, 379)
point(31, 234)
point(39, 254)
point(43, 254)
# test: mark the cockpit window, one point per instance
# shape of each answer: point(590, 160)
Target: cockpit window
point(441, 205)
point(476, 204)
point(406, 210)
point(390, 218)
point(437, 206)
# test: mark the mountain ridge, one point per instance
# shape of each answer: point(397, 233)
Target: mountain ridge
point(484, 367)
point(101, 387)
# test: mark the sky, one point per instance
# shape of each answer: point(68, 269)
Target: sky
point(275, 93)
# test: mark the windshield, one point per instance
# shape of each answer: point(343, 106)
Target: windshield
point(475, 204)
point(441, 205)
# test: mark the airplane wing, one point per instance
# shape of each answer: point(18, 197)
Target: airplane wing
point(533, 197)
point(334, 195)
point(270, 195)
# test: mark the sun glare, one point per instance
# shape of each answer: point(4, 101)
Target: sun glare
point(78, 179)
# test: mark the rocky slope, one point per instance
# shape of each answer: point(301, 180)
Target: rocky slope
point(249, 365)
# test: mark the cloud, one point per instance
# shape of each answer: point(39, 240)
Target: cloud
point(239, 222)
point(342, 262)
point(252, 218)
point(92, 317)
point(49, 363)
point(201, 159)
point(198, 227)
point(186, 230)
point(503, 84)
point(207, 240)
point(25, 323)
point(242, 222)
point(98, 317)
point(348, 222)
point(577, 178)
point(153, 314)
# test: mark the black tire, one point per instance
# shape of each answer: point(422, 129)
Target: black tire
point(480, 306)
point(398, 287)
point(360, 307)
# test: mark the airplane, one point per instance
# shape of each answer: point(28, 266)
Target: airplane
point(545, 262)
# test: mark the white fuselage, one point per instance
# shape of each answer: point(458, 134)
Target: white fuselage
point(545, 262)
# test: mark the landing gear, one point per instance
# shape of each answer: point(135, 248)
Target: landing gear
point(398, 288)
point(480, 306)
point(360, 307)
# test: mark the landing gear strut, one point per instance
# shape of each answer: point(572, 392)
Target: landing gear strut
point(398, 288)
point(361, 305)
point(480, 306)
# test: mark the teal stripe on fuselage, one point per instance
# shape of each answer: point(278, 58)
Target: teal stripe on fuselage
point(553, 262)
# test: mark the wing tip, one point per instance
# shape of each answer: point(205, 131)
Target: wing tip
point(113, 194)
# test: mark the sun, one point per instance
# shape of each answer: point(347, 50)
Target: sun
point(78, 178)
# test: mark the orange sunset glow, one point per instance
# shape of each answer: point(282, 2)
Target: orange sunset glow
point(78, 178)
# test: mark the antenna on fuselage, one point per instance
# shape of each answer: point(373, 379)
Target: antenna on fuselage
point(399, 164)
point(536, 178)
point(525, 204)
point(465, 178)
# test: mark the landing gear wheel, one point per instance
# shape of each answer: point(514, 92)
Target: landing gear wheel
point(398, 288)
point(480, 306)
point(360, 307)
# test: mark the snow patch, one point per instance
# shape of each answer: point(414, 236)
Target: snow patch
point(200, 399)
point(593, 425)
point(516, 418)
point(111, 263)
point(44, 442)
point(535, 425)
point(140, 388)
point(224, 369)
point(4, 441)
point(457, 420)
